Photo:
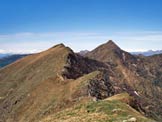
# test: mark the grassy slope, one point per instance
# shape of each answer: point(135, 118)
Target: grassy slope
point(23, 80)
point(32, 69)
point(102, 111)
point(36, 98)
point(52, 96)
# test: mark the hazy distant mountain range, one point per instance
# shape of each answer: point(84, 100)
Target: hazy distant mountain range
point(148, 53)
point(145, 53)
point(7, 59)
point(3, 55)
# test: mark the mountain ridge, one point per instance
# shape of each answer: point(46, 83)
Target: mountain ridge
point(57, 79)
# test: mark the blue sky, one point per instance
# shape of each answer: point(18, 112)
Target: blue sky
point(35, 25)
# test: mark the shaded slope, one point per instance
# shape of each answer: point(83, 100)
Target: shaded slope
point(155, 64)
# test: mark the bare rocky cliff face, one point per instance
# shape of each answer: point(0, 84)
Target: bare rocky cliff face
point(101, 87)
point(77, 66)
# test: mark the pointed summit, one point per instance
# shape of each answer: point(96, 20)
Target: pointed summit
point(65, 49)
point(108, 52)
point(110, 42)
point(59, 45)
point(111, 45)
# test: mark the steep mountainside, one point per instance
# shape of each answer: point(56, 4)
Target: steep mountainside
point(141, 74)
point(155, 64)
point(32, 84)
point(49, 85)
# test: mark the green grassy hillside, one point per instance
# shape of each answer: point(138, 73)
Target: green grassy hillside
point(100, 111)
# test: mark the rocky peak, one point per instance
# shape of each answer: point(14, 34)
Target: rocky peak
point(111, 45)
point(107, 52)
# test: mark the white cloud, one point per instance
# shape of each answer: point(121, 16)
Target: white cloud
point(28, 42)
point(2, 51)
point(136, 50)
